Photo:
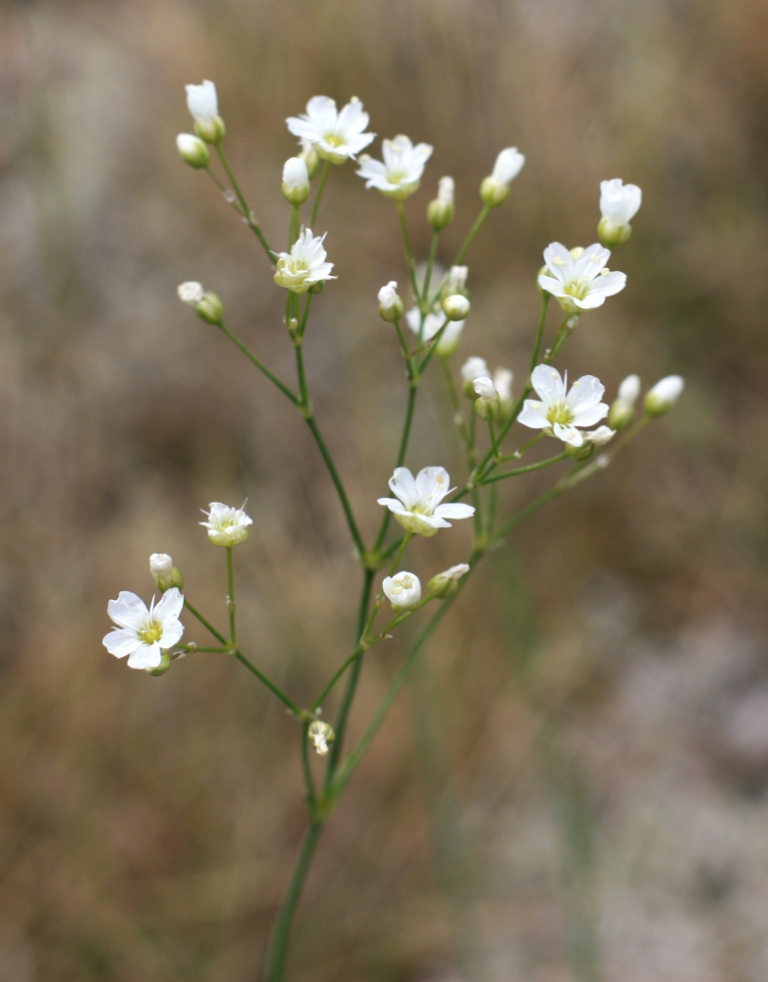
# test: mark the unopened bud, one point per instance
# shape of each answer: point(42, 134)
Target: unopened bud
point(456, 307)
point(164, 573)
point(162, 668)
point(583, 452)
point(447, 582)
point(211, 130)
point(471, 369)
point(210, 308)
point(193, 150)
point(487, 403)
point(662, 397)
point(322, 736)
point(295, 181)
point(440, 212)
point(310, 157)
point(495, 189)
point(391, 306)
point(612, 235)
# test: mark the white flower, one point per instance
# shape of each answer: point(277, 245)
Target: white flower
point(629, 389)
point(226, 526)
point(471, 369)
point(445, 189)
point(560, 412)
point(202, 102)
point(449, 339)
point(388, 297)
point(321, 735)
point(495, 188)
point(399, 175)
point(335, 135)
point(402, 589)
point(619, 202)
point(484, 388)
point(295, 185)
point(487, 403)
point(418, 509)
point(600, 436)
point(160, 564)
point(304, 265)
point(502, 382)
point(440, 211)
point(144, 634)
point(581, 282)
point(662, 397)
point(191, 292)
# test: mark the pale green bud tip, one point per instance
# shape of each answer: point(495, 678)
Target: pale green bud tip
point(662, 397)
point(162, 668)
point(456, 307)
point(164, 573)
point(492, 193)
point(440, 212)
point(612, 235)
point(295, 181)
point(488, 401)
point(620, 415)
point(391, 306)
point(321, 735)
point(193, 150)
point(495, 188)
point(447, 582)
point(207, 305)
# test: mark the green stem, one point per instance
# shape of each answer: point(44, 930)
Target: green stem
point(196, 613)
point(278, 950)
point(400, 458)
point(231, 597)
point(336, 676)
point(494, 444)
point(294, 225)
point(259, 364)
point(408, 249)
point(306, 765)
point(431, 262)
point(319, 195)
point(458, 415)
point(486, 210)
point(247, 214)
point(517, 471)
point(286, 700)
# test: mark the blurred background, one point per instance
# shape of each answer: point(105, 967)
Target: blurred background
point(573, 788)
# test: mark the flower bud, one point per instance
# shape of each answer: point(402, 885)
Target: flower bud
point(612, 235)
point(164, 573)
point(447, 582)
point(580, 453)
point(310, 157)
point(391, 306)
point(295, 181)
point(403, 590)
point(193, 150)
point(502, 382)
point(456, 307)
point(203, 104)
point(662, 397)
point(471, 369)
point(495, 189)
point(440, 212)
point(162, 668)
point(619, 204)
point(487, 403)
point(321, 734)
point(600, 436)
point(622, 411)
point(210, 308)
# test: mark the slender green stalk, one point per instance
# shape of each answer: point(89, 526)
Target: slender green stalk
point(278, 950)
point(336, 676)
point(458, 415)
point(517, 471)
point(400, 458)
point(196, 613)
point(494, 444)
point(305, 315)
point(259, 364)
point(305, 402)
point(294, 225)
point(192, 648)
point(319, 194)
point(306, 765)
point(486, 210)
point(246, 211)
point(404, 348)
point(286, 700)
point(231, 606)
point(430, 262)
point(408, 250)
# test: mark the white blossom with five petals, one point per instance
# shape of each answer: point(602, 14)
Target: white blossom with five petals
point(417, 506)
point(559, 410)
point(579, 279)
point(304, 265)
point(400, 173)
point(226, 526)
point(335, 135)
point(144, 634)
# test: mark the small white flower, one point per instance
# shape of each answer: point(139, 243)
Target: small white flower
point(619, 202)
point(579, 282)
point(295, 185)
point(304, 265)
point(484, 388)
point(388, 296)
point(487, 403)
point(335, 135)
point(144, 634)
point(600, 436)
point(403, 590)
point(399, 175)
point(449, 339)
point(191, 292)
point(471, 369)
point(629, 389)
point(202, 102)
point(662, 397)
point(502, 382)
point(418, 509)
point(560, 412)
point(226, 526)
point(160, 564)
point(446, 583)
point(445, 190)
point(321, 734)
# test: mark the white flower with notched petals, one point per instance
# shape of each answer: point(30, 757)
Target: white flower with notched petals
point(203, 102)
point(226, 526)
point(336, 136)
point(304, 265)
point(400, 173)
point(433, 322)
point(417, 507)
point(559, 410)
point(144, 634)
point(403, 590)
point(579, 282)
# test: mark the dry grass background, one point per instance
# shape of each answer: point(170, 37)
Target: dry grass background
point(592, 734)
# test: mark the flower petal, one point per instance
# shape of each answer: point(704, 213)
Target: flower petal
point(534, 415)
point(403, 485)
point(455, 510)
point(432, 485)
point(128, 610)
point(146, 656)
point(547, 382)
point(121, 642)
point(585, 392)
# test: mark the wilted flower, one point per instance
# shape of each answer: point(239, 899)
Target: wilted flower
point(560, 412)
point(487, 403)
point(403, 590)
point(304, 265)
point(321, 734)
point(336, 136)
point(579, 282)
point(226, 526)
point(144, 634)
point(418, 509)
point(400, 173)
point(440, 211)
point(600, 436)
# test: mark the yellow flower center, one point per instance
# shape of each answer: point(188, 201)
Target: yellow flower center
point(561, 413)
point(151, 633)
